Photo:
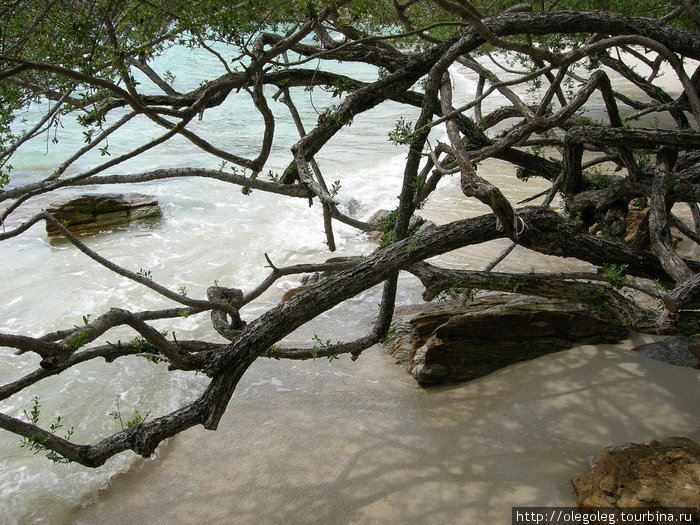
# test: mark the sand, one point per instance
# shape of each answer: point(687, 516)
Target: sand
point(360, 442)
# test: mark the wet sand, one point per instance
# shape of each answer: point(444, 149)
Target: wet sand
point(360, 442)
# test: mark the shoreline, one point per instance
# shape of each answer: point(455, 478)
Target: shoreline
point(362, 443)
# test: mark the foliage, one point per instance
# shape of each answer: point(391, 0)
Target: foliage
point(38, 444)
point(452, 291)
point(402, 133)
point(386, 226)
point(135, 420)
point(322, 345)
point(270, 352)
point(615, 275)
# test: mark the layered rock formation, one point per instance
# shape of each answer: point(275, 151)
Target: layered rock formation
point(98, 212)
point(451, 342)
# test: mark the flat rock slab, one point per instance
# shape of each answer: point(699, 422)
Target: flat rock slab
point(659, 475)
point(97, 212)
point(451, 342)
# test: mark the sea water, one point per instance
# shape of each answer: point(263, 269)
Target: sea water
point(210, 232)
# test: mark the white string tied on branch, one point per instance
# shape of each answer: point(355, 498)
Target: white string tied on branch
point(519, 225)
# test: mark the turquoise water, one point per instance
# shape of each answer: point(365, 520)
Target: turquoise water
point(210, 231)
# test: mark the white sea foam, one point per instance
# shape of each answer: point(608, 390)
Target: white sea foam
point(210, 231)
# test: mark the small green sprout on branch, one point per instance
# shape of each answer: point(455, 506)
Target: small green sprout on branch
point(597, 301)
point(615, 275)
point(270, 352)
point(668, 184)
point(321, 345)
point(137, 418)
point(79, 339)
point(513, 284)
point(37, 445)
point(451, 291)
point(335, 188)
point(386, 226)
point(402, 133)
point(147, 350)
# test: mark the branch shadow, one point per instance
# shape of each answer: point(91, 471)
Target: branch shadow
point(361, 443)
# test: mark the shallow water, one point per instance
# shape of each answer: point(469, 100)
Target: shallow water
point(307, 442)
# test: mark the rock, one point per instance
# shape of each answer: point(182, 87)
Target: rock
point(637, 227)
point(309, 279)
point(378, 216)
point(451, 342)
point(415, 224)
point(353, 206)
point(339, 259)
point(97, 212)
point(293, 291)
point(375, 219)
point(677, 351)
point(659, 475)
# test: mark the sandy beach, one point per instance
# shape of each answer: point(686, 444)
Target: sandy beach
point(362, 443)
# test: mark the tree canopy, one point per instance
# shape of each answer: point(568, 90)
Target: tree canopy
point(96, 62)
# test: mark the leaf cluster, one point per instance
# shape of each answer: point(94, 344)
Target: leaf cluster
point(37, 445)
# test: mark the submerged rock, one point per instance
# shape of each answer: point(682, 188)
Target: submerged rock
point(383, 223)
point(309, 279)
point(293, 291)
point(97, 212)
point(660, 475)
point(451, 342)
point(677, 351)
